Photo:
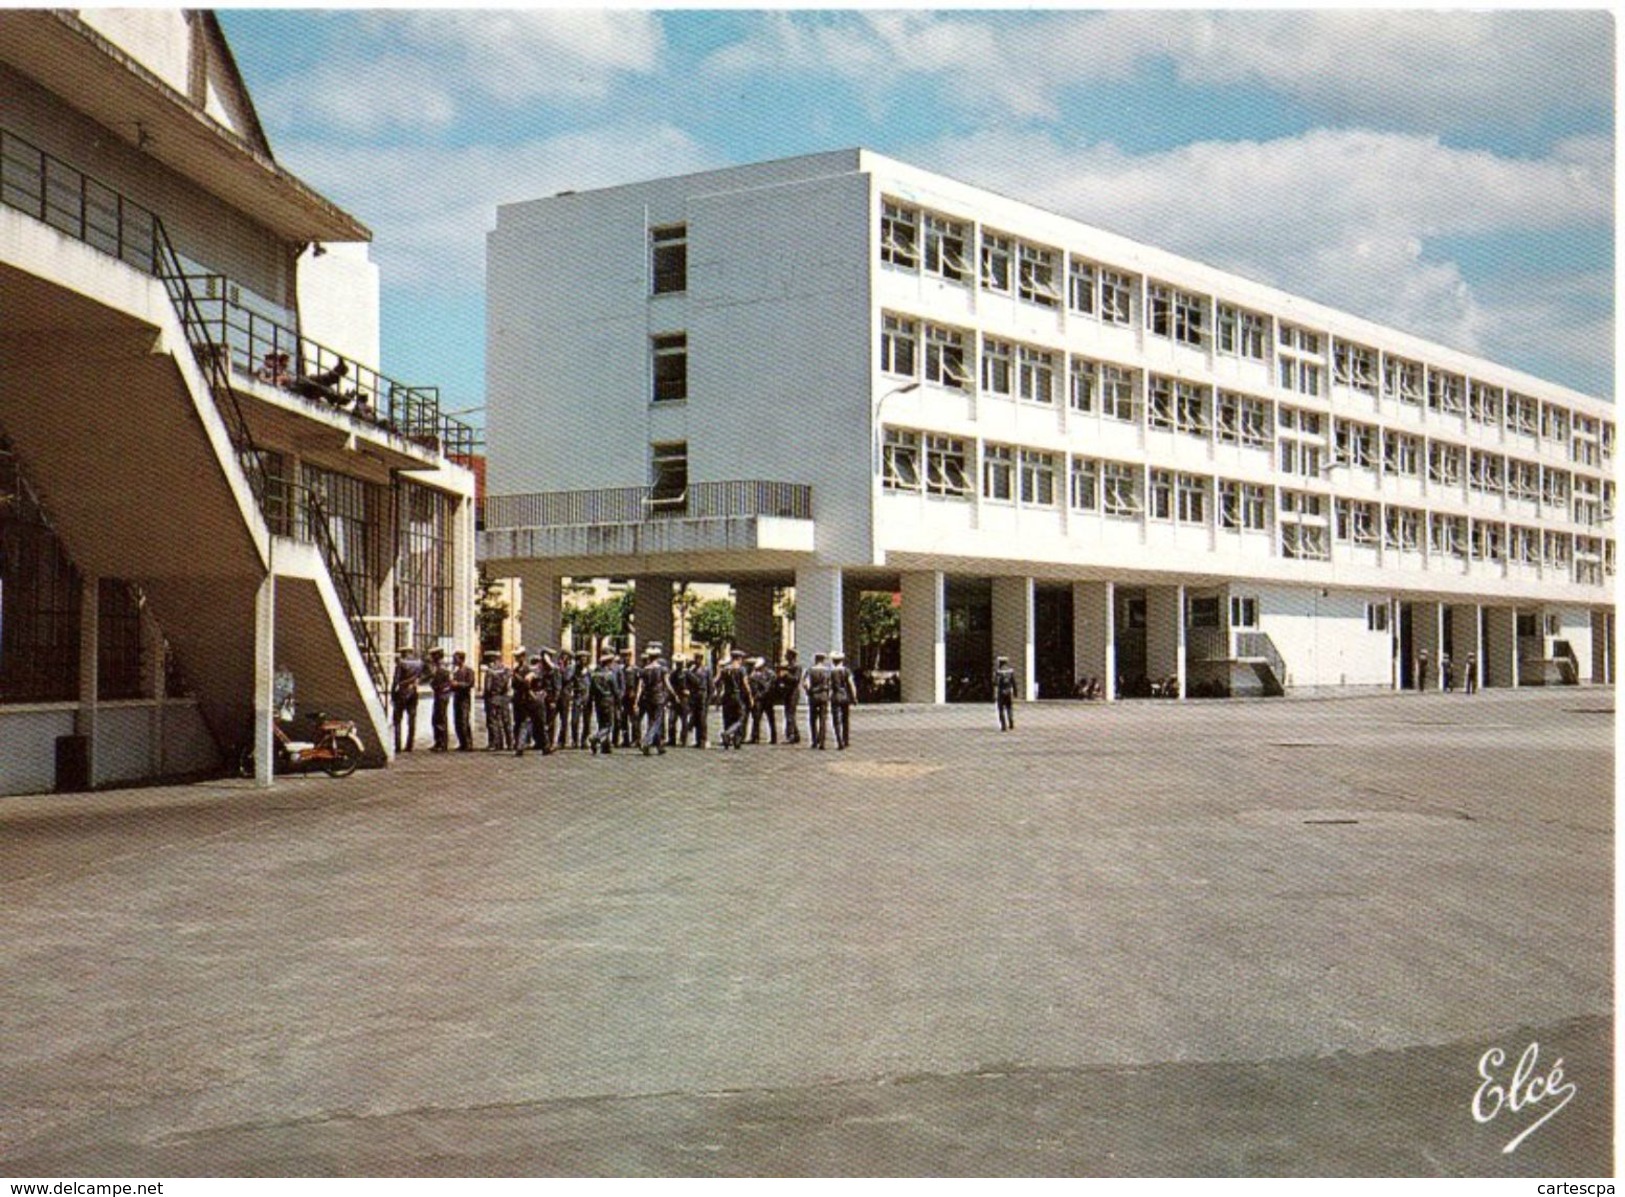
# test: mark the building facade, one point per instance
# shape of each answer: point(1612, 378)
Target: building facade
point(841, 373)
point(203, 477)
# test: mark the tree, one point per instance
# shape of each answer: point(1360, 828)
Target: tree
point(879, 624)
point(712, 624)
point(684, 604)
point(490, 611)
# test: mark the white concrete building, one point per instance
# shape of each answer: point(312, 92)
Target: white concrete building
point(192, 493)
point(842, 373)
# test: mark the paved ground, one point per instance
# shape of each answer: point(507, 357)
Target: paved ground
point(1266, 937)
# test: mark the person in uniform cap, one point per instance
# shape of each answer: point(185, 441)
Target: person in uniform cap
point(1004, 693)
point(581, 701)
point(462, 701)
point(495, 687)
point(817, 685)
point(762, 701)
point(789, 678)
point(734, 686)
point(403, 696)
point(697, 719)
point(544, 691)
point(627, 731)
point(566, 666)
point(677, 709)
point(843, 694)
point(440, 688)
point(528, 713)
point(653, 693)
point(604, 691)
point(519, 701)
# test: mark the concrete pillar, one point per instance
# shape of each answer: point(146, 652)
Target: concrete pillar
point(1179, 608)
point(1427, 635)
point(1500, 647)
point(653, 616)
point(541, 609)
point(754, 618)
point(1165, 633)
point(924, 637)
point(464, 622)
point(1013, 634)
point(264, 681)
point(1395, 673)
point(1464, 638)
point(152, 685)
point(90, 626)
point(1094, 633)
point(850, 639)
point(819, 607)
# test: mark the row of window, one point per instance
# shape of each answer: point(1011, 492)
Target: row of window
point(1030, 372)
point(915, 239)
point(932, 463)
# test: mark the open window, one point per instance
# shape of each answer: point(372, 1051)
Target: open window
point(668, 468)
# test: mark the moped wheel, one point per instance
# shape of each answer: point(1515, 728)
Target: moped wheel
point(346, 758)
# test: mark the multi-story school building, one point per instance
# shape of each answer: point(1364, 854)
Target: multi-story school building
point(203, 476)
point(839, 373)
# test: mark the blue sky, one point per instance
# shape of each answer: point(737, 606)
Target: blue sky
point(1448, 173)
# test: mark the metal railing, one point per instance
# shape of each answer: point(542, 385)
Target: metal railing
point(216, 367)
point(1257, 646)
point(637, 504)
point(73, 203)
point(322, 534)
point(88, 210)
point(259, 347)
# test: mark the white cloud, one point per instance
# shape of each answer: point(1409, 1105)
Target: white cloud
point(420, 71)
point(1342, 217)
point(1419, 68)
point(430, 207)
point(1410, 70)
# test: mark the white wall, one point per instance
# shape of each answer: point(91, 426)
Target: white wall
point(1323, 638)
point(28, 765)
point(203, 228)
point(338, 301)
point(1574, 626)
point(160, 39)
point(778, 339)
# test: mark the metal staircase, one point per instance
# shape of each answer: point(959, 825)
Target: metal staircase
point(213, 360)
point(1258, 650)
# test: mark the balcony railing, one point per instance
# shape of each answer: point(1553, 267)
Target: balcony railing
point(256, 346)
point(637, 504)
point(1257, 646)
point(90, 211)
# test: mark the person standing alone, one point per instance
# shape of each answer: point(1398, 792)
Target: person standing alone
point(1004, 693)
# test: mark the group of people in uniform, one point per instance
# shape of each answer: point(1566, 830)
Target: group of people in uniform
point(547, 701)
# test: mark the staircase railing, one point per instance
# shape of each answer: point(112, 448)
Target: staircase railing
point(1258, 646)
point(322, 533)
point(74, 203)
point(213, 359)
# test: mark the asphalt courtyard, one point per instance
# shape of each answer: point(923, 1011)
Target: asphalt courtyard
point(1252, 938)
